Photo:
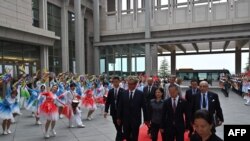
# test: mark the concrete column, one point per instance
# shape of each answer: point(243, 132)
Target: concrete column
point(238, 60)
point(119, 13)
point(65, 36)
point(171, 12)
point(43, 20)
point(128, 6)
point(154, 59)
point(231, 5)
point(147, 19)
point(249, 55)
point(173, 62)
point(43, 23)
point(190, 11)
point(135, 14)
point(129, 60)
point(79, 48)
point(158, 4)
point(148, 61)
point(96, 36)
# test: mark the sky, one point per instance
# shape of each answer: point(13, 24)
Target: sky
point(211, 61)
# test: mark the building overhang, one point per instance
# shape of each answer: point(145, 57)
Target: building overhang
point(27, 34)
point(182, 39)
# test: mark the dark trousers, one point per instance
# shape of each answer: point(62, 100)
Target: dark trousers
point(118, 129)
point(154, 132)
point(174, 135)
point(225, 92)
point(131, 131)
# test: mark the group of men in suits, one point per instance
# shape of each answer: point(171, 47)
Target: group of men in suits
point(126, 106)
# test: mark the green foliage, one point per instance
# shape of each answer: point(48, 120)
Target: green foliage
point(164, 68)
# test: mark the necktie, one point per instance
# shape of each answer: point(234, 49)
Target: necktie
point(193, 91)
point(204, 104)
point(115, 93)
point(174, 105)
point(131, 96)
point(149, 89)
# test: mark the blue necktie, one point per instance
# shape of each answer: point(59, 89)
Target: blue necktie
point(204, 104)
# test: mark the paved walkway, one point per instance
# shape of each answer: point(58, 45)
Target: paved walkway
point(100, 129)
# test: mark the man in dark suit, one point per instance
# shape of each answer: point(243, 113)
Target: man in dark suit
point(130, 105)
point(210, 101)
point(189, 98)
point(174, 110)
point(149, 93)
point(112, 102)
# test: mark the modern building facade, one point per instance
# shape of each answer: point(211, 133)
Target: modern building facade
point(117, 36)
point(56, 35)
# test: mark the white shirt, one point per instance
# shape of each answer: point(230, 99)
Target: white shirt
point(133, 93)
point(176, 101)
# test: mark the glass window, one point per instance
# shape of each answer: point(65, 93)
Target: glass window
point(102, 66)
point(54, 24)
point(124, 4)
point(35, 10)
point(111, 67)
point(140, 62)
point(1, 69)
point(118, 64)
point(124, 65)
point(133, 64)
point(202, 76)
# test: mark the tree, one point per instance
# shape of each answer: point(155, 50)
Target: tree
point(164, 68)
point(247, 67)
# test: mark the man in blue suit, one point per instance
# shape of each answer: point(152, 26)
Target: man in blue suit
point(130, 105)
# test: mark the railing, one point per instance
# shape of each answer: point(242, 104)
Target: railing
point(201, 13)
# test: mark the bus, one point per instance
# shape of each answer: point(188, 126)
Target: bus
point(199, 75)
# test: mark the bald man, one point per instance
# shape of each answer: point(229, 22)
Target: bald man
point(208, 100)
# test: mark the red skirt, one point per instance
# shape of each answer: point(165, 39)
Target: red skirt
point(49, 110)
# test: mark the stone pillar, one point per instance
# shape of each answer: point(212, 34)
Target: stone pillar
point(154, 58)
point(79, 48)
point(148, 61)
point(147, 19)
point(171, 12)
point(119, 13)
point(173, 62)
point(238, 60)
point(158, 4)
point(190, 11)
point(65, 36)
point(96, 36)
point(128, 6)
point(43, 23)
point(249, 55)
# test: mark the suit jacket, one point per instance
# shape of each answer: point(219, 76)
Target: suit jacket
point(172, 119)
point(213, 104)
point(189, 97)
point(111, 102)
point(130, 111)
point(149, 95)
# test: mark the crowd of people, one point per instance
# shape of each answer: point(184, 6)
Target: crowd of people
point(165, 108)
point(238, 83)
